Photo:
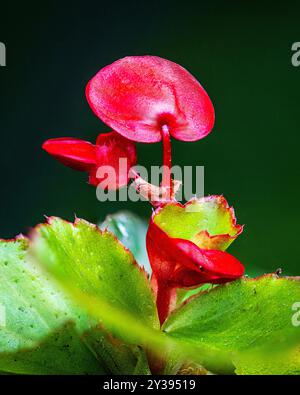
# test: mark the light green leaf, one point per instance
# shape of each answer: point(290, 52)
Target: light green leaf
point(33, 305)
point(240, 318)
point(42, 330)
point(33, 310)
point(61, 352)
point(183, 294)
point(131, 231)
point(96, 263)
point(286, 363)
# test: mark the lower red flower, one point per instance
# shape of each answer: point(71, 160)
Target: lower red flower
point(195, 257)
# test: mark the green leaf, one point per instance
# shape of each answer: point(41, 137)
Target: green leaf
point(61, 352)
point(47, 333)
point(97, 264)
point(33, 309)
point(142, 367)
point(286, 363)
point(209, 222)
point(115, 356)
point(131, 231)
point(33, 305)
point(240, 318)
point(183, 294)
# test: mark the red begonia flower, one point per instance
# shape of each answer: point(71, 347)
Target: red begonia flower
point(139, 95)
point(110, 149)
point(185, 247)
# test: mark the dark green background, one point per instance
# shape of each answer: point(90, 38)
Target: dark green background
point(240, 53)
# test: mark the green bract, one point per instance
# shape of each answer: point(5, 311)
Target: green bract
point(208, 222)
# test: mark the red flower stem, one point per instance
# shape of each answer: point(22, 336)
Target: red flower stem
point(133, 174)
point(164, 300)
point(167, 160)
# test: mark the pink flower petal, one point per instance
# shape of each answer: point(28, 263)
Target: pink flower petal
point(137, 95)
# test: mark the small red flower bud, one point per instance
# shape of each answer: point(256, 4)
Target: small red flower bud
point(81, 155)
point(138, 95)
point(75, 153)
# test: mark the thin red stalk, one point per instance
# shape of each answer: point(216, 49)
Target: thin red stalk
point(133, 174)
point(164, 301)
point(167, 160)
